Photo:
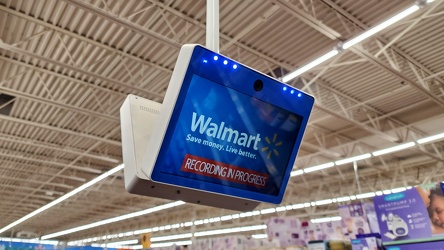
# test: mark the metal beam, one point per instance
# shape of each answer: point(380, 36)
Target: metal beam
point(377, 62)
point(109, 16)
point(83, 39)
point(31, 172)
point(55, 147)
point(11, 178)
point(330, 33)
point(60, 130)
point(76, 69)
point(45, 162)
point(48, 101)
point(364, 26)
point(308, 19)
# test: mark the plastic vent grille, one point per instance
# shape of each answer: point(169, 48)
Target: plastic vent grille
point(154, 111)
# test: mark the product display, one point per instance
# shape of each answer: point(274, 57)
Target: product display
point(433, 245)
point(329, 245)
point(292, 232)
point(412, 214)
point(370, 212)
point(367, 242)
point(354, 220)
point(287, 231)
point(332, 230)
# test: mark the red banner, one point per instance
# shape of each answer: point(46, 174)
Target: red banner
point(206, 167)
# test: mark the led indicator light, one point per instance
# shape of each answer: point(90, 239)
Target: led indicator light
point(299, 94)
point(234, 66)
point(285, 88)
point(204, 61)
point(292, 91)
point(215, 58)
point(225, 62)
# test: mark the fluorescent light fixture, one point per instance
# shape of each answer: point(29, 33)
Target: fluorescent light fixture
point(319, 167)
point(259, 236)
point(342, 199)
point(309, 66)
point(368, 155)
point(246, 214)
point(336, 218)
point(37, 241)
point(230, 230)
point(198, 222)
point(215, 219)
point(366, 195)
point(298, 206)
point(268, 210)
point(226, 217)
point(353, 41)
point(168, 244)
point(171, 237)
point(281, 209)
point(297, 172)
point(64, 197)
point(352, 159)
point(122, 243)
point(323, 202)
point(430, 138)
point(326, 219)
point(103, 158)
point(394, 149)
point(397, 190)
point(380, 26)
point(115, 219)
point(386, 191)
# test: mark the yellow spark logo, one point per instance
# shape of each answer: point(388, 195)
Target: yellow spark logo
point(272, 147)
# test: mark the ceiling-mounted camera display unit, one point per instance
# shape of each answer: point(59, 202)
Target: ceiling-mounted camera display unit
point(225, 136)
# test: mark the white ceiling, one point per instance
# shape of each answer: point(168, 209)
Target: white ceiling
point(69, 64)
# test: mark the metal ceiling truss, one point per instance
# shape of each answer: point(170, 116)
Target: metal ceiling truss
point(65, 120)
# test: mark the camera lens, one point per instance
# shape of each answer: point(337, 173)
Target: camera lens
point(258, 85)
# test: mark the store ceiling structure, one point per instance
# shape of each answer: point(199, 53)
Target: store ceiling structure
point(67, 65)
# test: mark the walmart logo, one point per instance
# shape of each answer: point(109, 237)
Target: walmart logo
point(272, 147)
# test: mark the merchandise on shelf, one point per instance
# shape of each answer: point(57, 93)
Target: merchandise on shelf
point(433, 245)
point(412, 214)
point(286, 230)
point(354, 220)
point(367, 242)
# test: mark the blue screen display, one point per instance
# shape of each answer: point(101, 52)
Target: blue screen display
point(226, 137)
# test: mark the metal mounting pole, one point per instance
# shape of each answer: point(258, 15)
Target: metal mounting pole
point(355, 167)
point(212, 42)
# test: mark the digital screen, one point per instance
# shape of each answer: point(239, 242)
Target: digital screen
point(226, 137)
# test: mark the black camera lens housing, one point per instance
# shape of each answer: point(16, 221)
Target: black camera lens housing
point(258, 85)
